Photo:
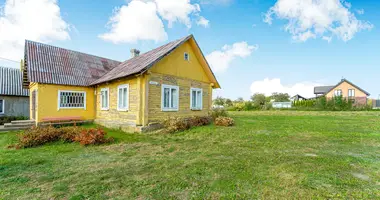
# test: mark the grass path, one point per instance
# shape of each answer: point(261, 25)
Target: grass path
point(266, 155)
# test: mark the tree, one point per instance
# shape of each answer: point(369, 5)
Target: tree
point(239, 100)
point(258, 100)
point(219, 101)
point(228, 102)
point(280, 97)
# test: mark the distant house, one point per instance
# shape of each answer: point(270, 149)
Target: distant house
point(344, 88)
point(173, 80)
point(14, 99)
point(297, 98)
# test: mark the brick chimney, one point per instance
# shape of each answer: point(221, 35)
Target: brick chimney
point(135, 53)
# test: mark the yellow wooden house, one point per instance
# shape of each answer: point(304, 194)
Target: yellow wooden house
point(172, 80)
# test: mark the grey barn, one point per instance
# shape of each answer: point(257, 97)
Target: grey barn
point(14, 99)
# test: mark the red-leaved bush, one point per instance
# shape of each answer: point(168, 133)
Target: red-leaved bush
point(38, 136)
point(92, 136)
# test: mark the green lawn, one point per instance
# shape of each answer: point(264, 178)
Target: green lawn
point(267, 155)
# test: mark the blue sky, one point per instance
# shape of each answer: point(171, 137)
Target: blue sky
point(265, 58)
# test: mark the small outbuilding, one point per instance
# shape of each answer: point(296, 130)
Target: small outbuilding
point(14, 99)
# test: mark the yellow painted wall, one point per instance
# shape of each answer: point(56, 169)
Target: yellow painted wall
point(113, 117)
point(47, 102)
point(176, 65)
point(345, 87)
point(154, 97)
point(33, 87)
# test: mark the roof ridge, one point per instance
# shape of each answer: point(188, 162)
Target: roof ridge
point(75, 51)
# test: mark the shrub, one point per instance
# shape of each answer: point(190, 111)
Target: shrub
point(69, 133)
point(224, 121)
point(38, 136)
point(218, 112)
point(92, 137)
point(176, 124)
point(8, 119)
point(200, 121)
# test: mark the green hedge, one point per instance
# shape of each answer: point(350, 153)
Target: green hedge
point(8, 119)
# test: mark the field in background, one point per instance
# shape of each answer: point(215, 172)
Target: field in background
point(270, 154)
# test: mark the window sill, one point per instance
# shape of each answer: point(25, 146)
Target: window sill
point(196, 109)
point(169, 110)
point(122, 110)
point(105, 109)
point(71, 108)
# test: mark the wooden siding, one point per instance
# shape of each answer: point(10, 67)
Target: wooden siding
point(176, 65)
point(113, 117)
point(154, 97)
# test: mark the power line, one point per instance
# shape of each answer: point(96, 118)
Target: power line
point(9, 60)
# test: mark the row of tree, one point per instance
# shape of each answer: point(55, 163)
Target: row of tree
point(257, 101)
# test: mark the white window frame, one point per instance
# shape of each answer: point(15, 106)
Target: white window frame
point(191, 98)
point(353, 92)
point(118, 97)
point(337, 91)
point(3, 107)
point(188, 56)
point(59, 99)
point(108, 98)
point(163, 87)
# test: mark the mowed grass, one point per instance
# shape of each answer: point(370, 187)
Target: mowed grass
point(267, 155)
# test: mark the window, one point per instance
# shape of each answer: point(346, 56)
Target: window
point(71, 99)
point(170, 98)
point(196, 99)
point(338, 93)
point(123, 98)
point(104, 99)
point(2, 106)
point(351, 93)
point(186, 56)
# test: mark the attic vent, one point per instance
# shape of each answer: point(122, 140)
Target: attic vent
point(186, 56)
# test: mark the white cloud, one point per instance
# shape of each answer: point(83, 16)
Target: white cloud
point(360, 11)
point(269, 86)
point(311, 19)
point(216, 2)
point(203, 22)
point(178, 10)
point(136, 21)
point(38, 20)
point(143, 20)
point(221, 60)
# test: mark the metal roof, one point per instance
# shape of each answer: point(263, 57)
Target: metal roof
point(11, 82)
point(53, 65)
point(142, 62)
point(322, 89)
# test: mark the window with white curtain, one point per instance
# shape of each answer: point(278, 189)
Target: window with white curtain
point(71, 99)
point(2, 106)
point(104, 98)
point(169, 98)
point(196, 99)
point(123, 97)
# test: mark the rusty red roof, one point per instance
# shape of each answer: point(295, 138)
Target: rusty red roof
point(142, 62)
point(54, 65)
